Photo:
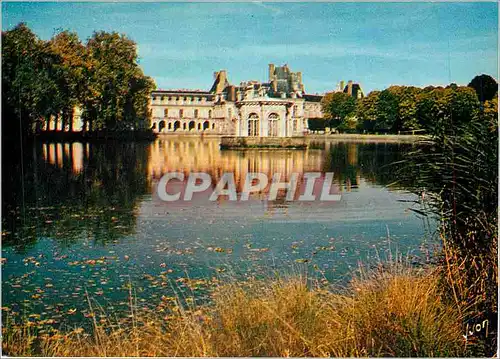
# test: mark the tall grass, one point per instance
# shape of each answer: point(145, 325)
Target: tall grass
point(395, 312)
point(455, 173)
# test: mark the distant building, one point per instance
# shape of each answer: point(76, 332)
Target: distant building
point(353, 89)
point(277, 108)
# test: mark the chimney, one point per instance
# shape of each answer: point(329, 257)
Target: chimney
point(221, 81)
point(275, 85)
point(223, 75)
point(233, 93)
point(271, 71)
point(341, 86)
point(349, 88)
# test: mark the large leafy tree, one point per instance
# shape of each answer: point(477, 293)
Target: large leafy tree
point(408, 109)
point(387, 111)
point(441, 109)
point(31, 79)
point(48, 79)
point(72, 52)
point(117, 96)
point(426, 106)
point(366, 111)
point(338, 106)
point(485, 86)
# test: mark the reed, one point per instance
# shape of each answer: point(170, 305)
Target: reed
point(390, 311)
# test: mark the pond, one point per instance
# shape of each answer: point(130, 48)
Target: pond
point(86, 222)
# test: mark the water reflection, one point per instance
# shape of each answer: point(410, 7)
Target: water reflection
point(71, 189)
point(87, 213)
point(97, 188)
point(351, 162)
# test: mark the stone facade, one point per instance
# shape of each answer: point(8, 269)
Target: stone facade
point(278, 108)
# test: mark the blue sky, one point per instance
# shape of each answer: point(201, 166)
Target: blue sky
point(376, 44)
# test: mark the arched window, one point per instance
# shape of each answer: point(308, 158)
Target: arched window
point(161, 126)
point(253, 125)
point(191, 125)
point(165, 113)
point(177, 125)
point(206, 125)
point(273, 125)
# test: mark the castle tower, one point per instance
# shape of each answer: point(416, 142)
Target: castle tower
point(272, 69)
point(341, 86)
point(220, 82)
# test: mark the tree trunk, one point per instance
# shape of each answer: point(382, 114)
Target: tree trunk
point(71, 115)
point(56, 122)
point(63, 121)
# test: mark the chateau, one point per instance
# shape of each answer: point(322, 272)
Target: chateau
point(277, 108)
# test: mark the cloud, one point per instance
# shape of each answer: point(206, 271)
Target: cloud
point(420, 52)
point(274, 10)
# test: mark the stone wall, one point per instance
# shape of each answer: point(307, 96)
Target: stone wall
point(234, 142)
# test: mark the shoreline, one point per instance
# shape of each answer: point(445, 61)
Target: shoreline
point(338, 137)
point(95, 136)
point(150, 136)
point(355, 137)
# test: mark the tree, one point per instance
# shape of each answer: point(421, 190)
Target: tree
point(387, 111)
point(316, 124)
point(366, 111)
point(338, 106)
point(408, 109)
point(47, 79)
point(69, 47)
point(442, 109)
point(117, 97)
point(31, 78)
point(490, 113)
point(485, 86)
